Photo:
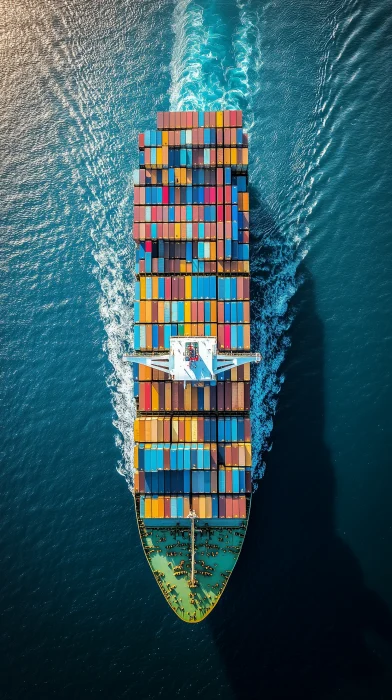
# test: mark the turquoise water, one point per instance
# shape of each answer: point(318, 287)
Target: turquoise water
point(308, 610)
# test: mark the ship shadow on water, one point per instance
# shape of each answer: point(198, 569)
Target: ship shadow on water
point(296, 619)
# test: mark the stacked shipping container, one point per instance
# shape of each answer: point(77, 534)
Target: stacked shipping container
point(191, 227)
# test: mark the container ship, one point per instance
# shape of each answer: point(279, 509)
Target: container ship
point(191, 358)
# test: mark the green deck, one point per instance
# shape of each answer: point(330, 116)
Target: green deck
point(168, 551)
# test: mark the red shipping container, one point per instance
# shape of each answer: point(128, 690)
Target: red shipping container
point(221, 338)
point(141, 140)
point(246, 287)
point(166, 120)
point(219, 137)
point(195, 120)
point(207, 120)
point(226, 137)
point(200, 311)
point(188, 120)
point(236, 506)
point(228, 194)
point(183, 120)
point(142, 482)
point(242, 506)
point(142, 267)
point(220, 229)
point(240, 288)
point(219, 177)
point(228, 229)
point(247, 430)
point(136, 482)
point(219, 213)
point(212, 194)
point(181, 288)
point(213, 158)
point(239, 118)
point(220, 255)
point(177, 138)
point(222, 506)
point(168, 289)
point(171, 138)
point(167, 507)
point(234, 454)
point(228, 462)
point(229, 506)
point(233, 118)
point(227, 337)
point(226, 118)
point(214, 482)
point(160, 120)
point(221, 310)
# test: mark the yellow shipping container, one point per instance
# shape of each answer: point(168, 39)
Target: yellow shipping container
point(136, 457)
point(154, 430)
point(175, 429)
point(188, 428)
point(177, 176)
point(188, 397)
point(188, 288)
point(148, 309)
point(159, 157)
point(233, 156)
point(154, 507)
point(183, 176)
point(177, 231)
point(226, 156)
point(147, 507)
point(208, 507)
point(155, 287)
point(165, 177)
point(194, 428)
point(233, 376)
point(161, 312)
point(165, 138)
point(219, 120)
point(187, 310)
point(136, 430)
point(161, 507)
point(142, 288)
point(248, 454)
point(202, 506)
point(148, 430)
point(206, 398)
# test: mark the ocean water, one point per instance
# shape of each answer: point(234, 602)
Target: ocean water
point(308, 612)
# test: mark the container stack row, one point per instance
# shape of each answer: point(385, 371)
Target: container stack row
point(175, 507)
point(191, 229)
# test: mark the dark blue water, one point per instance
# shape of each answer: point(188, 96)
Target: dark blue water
point(308, 612)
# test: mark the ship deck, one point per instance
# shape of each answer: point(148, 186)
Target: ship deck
point(168, 552)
